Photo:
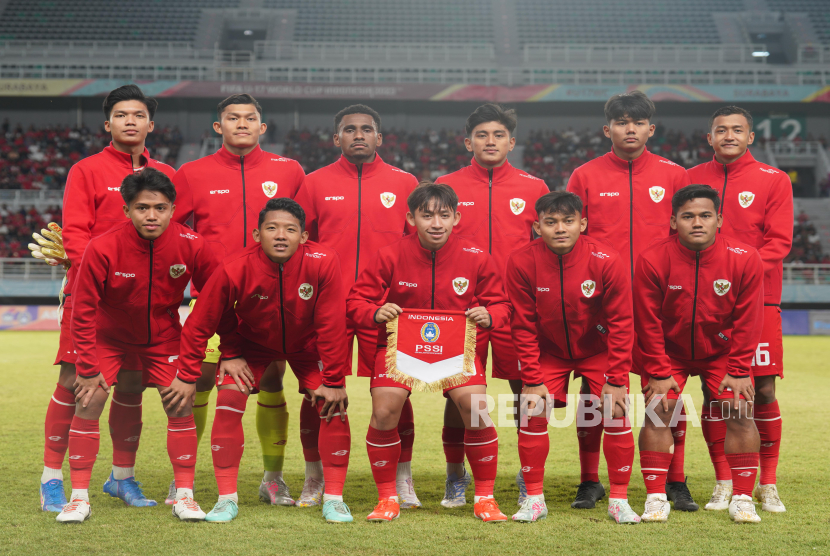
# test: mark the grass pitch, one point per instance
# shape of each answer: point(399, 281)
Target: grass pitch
point(26, 359)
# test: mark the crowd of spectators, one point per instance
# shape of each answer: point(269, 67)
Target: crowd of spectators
point(17, 225)
point(806, 247)
point(40, 158)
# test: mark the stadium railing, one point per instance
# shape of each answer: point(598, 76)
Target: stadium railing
point(14, 198)
point(644, 54)
point(817, 274)
point(813, 54)
point(377, 52)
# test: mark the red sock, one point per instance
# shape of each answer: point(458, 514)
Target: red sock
point(744, 469)
point(227, 439)
point(714, 432)
point(181, 447)
point(534, 446)
point(384, 449)
point(406, 430)
point(336, 438)
point(482, 449)
point(58, 418)
point(590, 439)
point(768, 421)
point(678, 432)
point(618, 448)
point(453, 444)
point(84, 440)
point(309, 430)
point(125, 427)
point(655, 467)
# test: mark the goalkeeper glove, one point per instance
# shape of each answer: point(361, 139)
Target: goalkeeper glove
point(49, 246)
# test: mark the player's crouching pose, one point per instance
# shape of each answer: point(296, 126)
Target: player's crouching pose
point(698, 300)
point(280, 299)
point(129, 287)
point(572, 310)
point(419, 272)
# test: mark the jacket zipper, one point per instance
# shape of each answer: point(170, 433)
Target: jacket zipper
point(562, 296)
point(244, 205)
point(490, 212)
point(694, 302)
point(150, 296)
point(723, 194)
point(282, 309)
point(631, 216)
point(359, 195)
point(432, 303)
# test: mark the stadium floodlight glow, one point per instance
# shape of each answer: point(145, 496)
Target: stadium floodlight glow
point(248, 33)
point(760, 53)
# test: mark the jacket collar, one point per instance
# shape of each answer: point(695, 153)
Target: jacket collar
point(126, 158)
point(499, 172)
point(368, 168)
point(637, 165)
point(425, 255)
point(253, 158)
point(579, 252)
point(290, 267)
point(742, 164)
point(706, 255)
point(142, 244)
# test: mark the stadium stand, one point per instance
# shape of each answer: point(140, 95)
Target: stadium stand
point(816, 10)
point(104, 20)
point(592, 21)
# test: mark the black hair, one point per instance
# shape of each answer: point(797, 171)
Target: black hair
point(729, 111)
point(241, 98)
point(128, 92)
point(149, 179)
point(283, 204)
point(356, 109)
point(428, 193)
point(635, 105)
point(491, 112)
point(562, 202)
point(694, 191)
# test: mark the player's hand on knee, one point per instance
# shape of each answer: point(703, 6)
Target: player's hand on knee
point(658, 388)
point(177, 396)
point(387, 313)
point(85, 388)
point(238, 370)
point(613, 397)
point(531, 398)
point(741, 387)
point(480, 316)
point(335, 400)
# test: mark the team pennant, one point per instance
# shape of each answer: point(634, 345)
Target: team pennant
point(431, 350)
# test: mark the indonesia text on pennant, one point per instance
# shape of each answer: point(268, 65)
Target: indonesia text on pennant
point(431, 350)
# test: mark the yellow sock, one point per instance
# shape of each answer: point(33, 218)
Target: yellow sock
point(200, 412)
point(272, 428)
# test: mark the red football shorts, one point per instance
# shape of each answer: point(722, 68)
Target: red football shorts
point(505, 359)
point(711, 372)
point(367, 345)
point(306, 366)
point(157, 362)
point(380, 380)
point(769, 357)
point(557, 372)
point(66, 349)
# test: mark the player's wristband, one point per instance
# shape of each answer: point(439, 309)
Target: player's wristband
point(738, 376)
point(609, 383)
point(231, 358)
point(90, 376)
point(332, 386)
point(534, 385)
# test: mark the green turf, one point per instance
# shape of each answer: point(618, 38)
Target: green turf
point(26, 359)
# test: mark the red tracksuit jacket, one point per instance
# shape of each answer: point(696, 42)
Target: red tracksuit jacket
point(457, 277)
point(295, 307)
point(496, 206)
point(572, 306)
point(628, 204)
point(224, 194)
point(757, 207)
point(692, 305)
point(356, 210)
point(129, 289)
point(92, 202)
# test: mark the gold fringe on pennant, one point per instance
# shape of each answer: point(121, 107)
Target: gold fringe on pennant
point(468, 368)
